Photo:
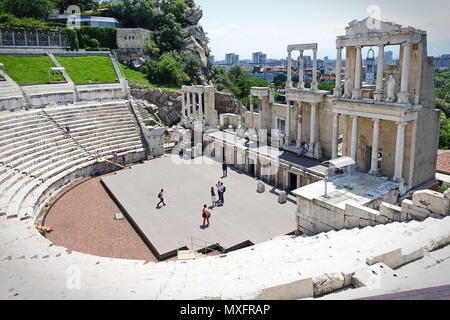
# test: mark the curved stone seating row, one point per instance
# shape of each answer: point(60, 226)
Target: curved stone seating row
point(40, 154)
point(284, 268)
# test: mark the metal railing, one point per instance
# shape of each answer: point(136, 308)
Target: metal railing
point(198, 245)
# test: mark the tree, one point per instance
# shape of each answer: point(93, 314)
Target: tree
point(166, 71)
point(170, 35)
point(150, 48)
point(279, 79)
point(62, 5)
point(175, 7)
point(444, 136)
point(27, 8)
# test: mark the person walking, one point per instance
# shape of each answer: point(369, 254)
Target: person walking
point(67, 130)
point(205, 215)
point(222, 191)
point(116, 156)
point(219, 192)
point(161, 198)
point(213, 197)
point(224, 169)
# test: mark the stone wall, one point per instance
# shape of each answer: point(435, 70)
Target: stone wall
point(316, 217)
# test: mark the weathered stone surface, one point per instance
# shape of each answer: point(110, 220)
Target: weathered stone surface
point(433, 201)
point(261, 187)
point(409, 208)
point(371, 277)
point(282, 198)
point(290, 291)
point(391, 211)
point(191, 44)
point(328, 282)
point(193, 15)
point(227, 103)
point(447, 193)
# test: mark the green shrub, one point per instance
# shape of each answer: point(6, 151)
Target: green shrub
point(106, 36)
point(96, 49)
point(166, 71)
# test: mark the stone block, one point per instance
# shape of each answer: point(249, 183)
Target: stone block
point(351, 222)
point(412, 253)
point(119, 216)
point(447, 193)
point(261, 187)
point(327, 283)
point(393, 258)
point(416, 212)
point(371, 277)
point(391, 211)
point(290, 291)
point(434, 201)
point(282, 198)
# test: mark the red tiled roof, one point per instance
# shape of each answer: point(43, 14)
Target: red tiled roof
point(443, 161)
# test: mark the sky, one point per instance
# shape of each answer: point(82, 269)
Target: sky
point(246, 26)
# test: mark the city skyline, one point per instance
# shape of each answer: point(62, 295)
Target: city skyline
point(245, 27)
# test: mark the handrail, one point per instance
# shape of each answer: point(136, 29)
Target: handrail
point(194, 242)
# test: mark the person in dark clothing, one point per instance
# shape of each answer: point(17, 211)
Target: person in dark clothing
point(161, 198)
point(224, 169)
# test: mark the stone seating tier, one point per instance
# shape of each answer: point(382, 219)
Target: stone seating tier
point(36, 155)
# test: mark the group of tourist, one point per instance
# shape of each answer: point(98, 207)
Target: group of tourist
point(215, 202)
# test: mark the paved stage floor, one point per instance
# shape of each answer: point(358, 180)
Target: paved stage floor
point(246, 215)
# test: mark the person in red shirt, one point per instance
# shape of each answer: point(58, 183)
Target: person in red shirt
point(205, 215)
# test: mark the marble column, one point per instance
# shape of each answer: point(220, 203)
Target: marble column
point(403, 95)
point(314, 75)
point(194, 106)
point(200, 105)
point(301, 66)
point(289, 70)
point(312, 132)
point(299, 125)
point(378, 94)
point(261, 116)
point(399, 149)
point(337, 89)
point(250, 100)
point(358, 66)
point(375, 146)
point(334, 142)
point(183, 105)
point(354, 142)
point(288, 123)
point(188, 95)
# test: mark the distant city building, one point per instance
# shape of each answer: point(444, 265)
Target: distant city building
point(212, 59)
point(259, 58)
point(232, 59)
point(442, 62)
point(388, 57)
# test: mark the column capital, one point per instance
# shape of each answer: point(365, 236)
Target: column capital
point(407, 44)
point(401, 123)
point(376, 119)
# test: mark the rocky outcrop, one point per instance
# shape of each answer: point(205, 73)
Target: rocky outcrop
point(193, 15)
point(165, 107)
point(162, 105)
point(227, 103)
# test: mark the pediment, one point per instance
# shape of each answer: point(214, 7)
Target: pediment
point(371, 25)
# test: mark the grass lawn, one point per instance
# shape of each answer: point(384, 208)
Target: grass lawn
point(89, 70)
point(134, 76)
point(27, 70)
